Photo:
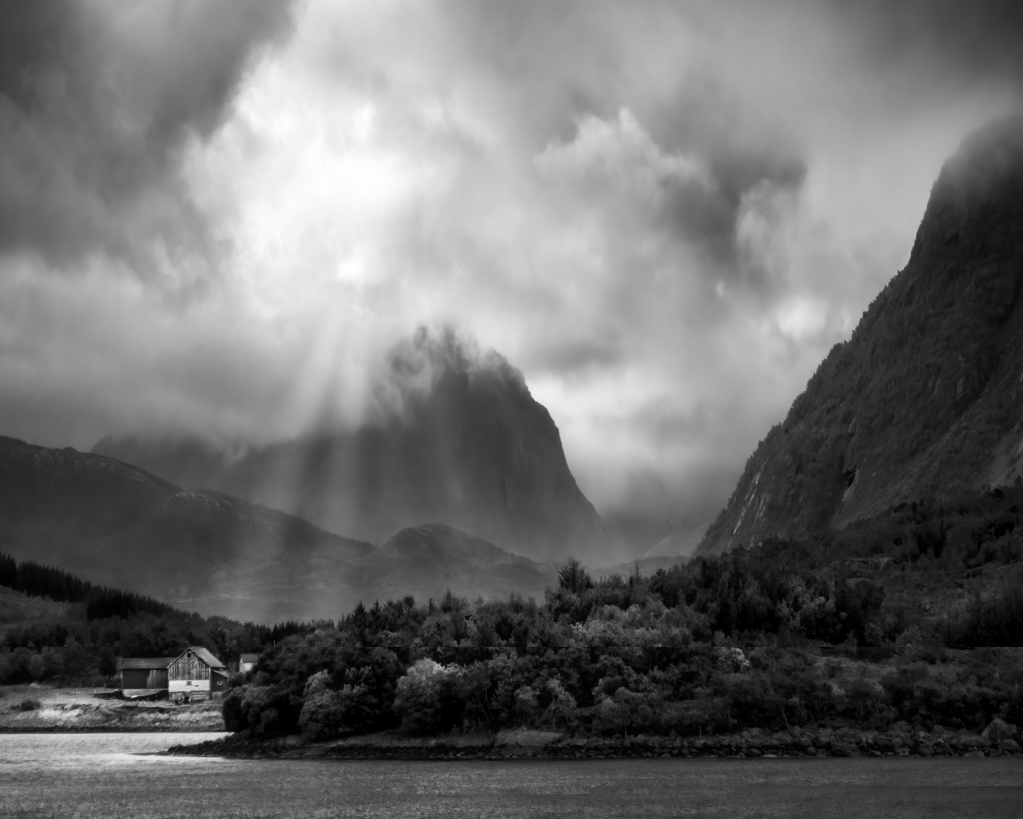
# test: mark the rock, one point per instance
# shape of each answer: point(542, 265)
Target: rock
point(998, 730)
point(949, 310)
point(845, 750)
point(1009, 746)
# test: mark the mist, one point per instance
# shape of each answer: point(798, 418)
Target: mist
point(663, 215)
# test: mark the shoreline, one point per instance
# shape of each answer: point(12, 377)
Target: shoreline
point(81, 710)
point(841, 743)
point(101, 729)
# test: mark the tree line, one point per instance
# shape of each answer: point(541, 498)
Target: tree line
point(45, 581)
point(100, 624)
point(788, 632)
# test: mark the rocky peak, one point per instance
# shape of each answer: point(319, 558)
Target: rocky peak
point(924, 400)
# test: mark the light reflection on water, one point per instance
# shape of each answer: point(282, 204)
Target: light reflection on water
point(99, 775)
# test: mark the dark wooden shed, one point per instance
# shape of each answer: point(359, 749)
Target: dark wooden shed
point(144, 673)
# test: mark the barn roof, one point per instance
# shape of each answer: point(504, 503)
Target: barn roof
point(203, 654)
point(144, 662)
point(249, 658)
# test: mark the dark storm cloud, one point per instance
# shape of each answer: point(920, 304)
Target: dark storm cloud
point(707, 217)
point(574, 356)
point(97, 99)
point(664, 212)
point(33, 36)
point(974, 40)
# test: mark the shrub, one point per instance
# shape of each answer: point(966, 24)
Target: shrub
point(327, 712)
point(29, 704)
point(868, 703)
point(752, 700)
point(259, 709)
point(428, 698)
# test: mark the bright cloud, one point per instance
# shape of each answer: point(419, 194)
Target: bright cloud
point(664, 214)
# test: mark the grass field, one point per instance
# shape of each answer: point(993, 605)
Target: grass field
point(36, 707)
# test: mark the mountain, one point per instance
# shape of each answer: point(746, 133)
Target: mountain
point(117, 525)
point(473, 450)
point(925, 400)
point(435, 558)
point(206, 551)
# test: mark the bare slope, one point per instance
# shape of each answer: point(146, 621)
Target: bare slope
point(925, 399)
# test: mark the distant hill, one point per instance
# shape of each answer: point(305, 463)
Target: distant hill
point(473, 451)
point(926, 398)
point(435, 558)
point(117, 525)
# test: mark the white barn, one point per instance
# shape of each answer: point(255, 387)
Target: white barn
point(196, 675)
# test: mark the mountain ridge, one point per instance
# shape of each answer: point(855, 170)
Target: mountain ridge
point(923, 400)
point(114, 524)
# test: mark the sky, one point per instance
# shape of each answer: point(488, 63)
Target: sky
point(218, 218)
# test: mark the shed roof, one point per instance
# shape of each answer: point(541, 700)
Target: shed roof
point(203, 654)
point(249, 658)
point(144, 662)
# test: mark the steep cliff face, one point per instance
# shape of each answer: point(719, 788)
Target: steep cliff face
point(475, 451)
point(926, 398)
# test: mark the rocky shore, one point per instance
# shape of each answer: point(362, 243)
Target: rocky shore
point(998, 739)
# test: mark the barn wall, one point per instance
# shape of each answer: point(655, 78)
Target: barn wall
point(188, 686)
point(189, 667)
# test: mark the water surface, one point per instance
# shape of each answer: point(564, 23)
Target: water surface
point(101, 775)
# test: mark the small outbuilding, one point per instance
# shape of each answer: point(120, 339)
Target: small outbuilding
point(196, 675)
point(143, 676)
point(246, 662)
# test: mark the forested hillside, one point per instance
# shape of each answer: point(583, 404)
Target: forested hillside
point(893, 621)
point(56, 626)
